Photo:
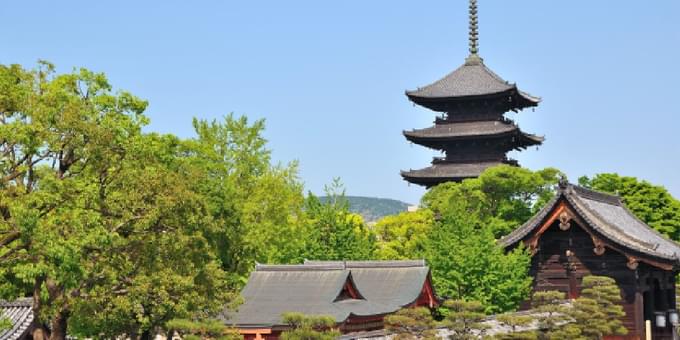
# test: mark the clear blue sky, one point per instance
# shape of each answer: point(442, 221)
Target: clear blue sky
point(329, 76)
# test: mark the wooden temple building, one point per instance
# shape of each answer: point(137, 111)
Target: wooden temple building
point(471, 129)
point(582, 232)
point(358, 294)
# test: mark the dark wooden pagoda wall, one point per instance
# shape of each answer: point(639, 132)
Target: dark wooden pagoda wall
point(553, 269)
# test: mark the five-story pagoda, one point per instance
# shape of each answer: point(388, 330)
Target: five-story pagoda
point(471, 131)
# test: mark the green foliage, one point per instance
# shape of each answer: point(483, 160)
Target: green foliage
point(651, 203)
point(467, 263)
point(205, 329)
point(552, 313)
point(412, 323)
point(257, 206)
point(464, 319)
point(503, 197)
point(5, 324)
point(98, 219)
point(309, 327)
point(516, 323)
point(596, 313)
point(403, 236)
point(332, 231)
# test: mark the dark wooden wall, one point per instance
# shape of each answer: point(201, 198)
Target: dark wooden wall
point(554, 269)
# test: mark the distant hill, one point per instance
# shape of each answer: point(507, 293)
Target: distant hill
point(373, 208)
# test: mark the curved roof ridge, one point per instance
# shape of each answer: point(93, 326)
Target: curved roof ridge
point(608, 216)
point(596, 195)
point(297, 267)
point(624, 238)
point(20, 302)
point(369, 263)
point(524, 230)
point(440, 87)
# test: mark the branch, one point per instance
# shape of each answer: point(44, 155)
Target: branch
point(11, 237)
point(6, 256)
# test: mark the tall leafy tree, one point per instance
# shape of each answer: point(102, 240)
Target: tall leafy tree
point(503, 197)
point(257, 205)
point(653, 204)
point(95, 215)
point(467, 263)
point(403, 236)
point(332, 231)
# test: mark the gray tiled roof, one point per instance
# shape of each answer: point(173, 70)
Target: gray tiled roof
point(469, 80)
point(450, 170)
point(607, 215)
point(313, 287)
point(20, 314)
point(461, 130)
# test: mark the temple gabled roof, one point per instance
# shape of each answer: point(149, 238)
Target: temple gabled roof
point(607, 216)
point(313, 288)
point(440, 172)
point(471, 80)
point(20, 315)
point(471, 130)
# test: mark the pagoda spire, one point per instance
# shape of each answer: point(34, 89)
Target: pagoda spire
point(474, 35)
point(472, 131)
point(473, 58)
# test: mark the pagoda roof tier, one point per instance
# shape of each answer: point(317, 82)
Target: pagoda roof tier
point(441, 172)
point(435, 135)
point(471, 81)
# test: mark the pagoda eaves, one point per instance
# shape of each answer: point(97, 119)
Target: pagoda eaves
point(472, 131)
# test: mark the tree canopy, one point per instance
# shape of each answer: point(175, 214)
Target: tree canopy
point(467, 263)
point(403, 236)
point(502, 197)
point(332, 232)
point(96, 215)
point(115, 231)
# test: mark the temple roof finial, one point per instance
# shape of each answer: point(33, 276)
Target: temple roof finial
point(474, 46)
point(474, 58)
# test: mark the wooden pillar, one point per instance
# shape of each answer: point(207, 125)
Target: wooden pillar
point(639, 313)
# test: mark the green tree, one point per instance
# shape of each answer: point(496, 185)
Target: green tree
point(403, 236)
point(258, 205)
point(464, 319)
point(95, 215)
point(652, 204)
point(467, 263)
point(412, 323)
point(502, 197)
point(596, 313)
point(308, 327)
point(202, 329)
point(517, 324)
point(332, 231)
point(551, 312)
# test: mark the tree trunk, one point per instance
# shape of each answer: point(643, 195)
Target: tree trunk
point(146, 335)
point(40, 333)
point(59, 323)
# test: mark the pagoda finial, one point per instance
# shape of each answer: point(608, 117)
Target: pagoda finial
point(474, 58)
point(474, 46)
